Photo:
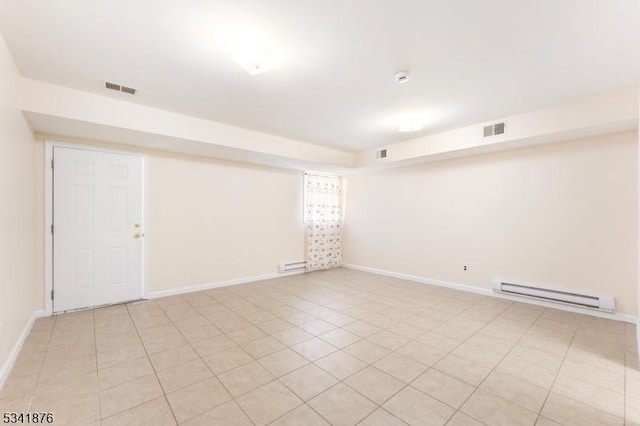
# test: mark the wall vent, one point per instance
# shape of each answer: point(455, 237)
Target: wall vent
point(603, 303)
point(494, 129)
point(119, 88)
point(381, 154)
point(293, 266)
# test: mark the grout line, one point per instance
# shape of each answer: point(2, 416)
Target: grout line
point(204, 362)
point(624, 402)
point(95, 346)
point(564, 357)
point(380, 312)
point(392, 351)
point(46, 351)
point(380, 407)
point(455, 410)
point(284, 301)
point(465, 340)
point(496, 366)
point(164, 393)
point(624, 393)
point(290, 348)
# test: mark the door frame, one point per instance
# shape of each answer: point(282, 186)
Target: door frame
point(48, 212)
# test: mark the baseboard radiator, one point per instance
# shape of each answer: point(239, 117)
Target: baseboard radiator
point(603, 303)
point(293, 266)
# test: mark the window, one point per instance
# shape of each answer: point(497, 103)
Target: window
point(323, 218)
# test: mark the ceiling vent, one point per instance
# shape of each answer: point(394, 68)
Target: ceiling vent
point(494, 129)
point(128, 90)
point(119, 88)
point(381, 154)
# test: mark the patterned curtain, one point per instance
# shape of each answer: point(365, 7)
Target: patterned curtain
point(323, 215)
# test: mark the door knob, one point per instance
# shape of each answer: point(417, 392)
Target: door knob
point(137, 235)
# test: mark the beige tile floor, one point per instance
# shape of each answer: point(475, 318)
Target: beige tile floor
point(335, 347)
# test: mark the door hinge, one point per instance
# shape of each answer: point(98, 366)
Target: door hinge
point(51, 229)
point(52, 163)
point(51, 294)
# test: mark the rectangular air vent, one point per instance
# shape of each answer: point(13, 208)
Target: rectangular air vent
point(112, 86)
point(119, 88)
point(494, 129)
point(381, 154)
point(128, 90)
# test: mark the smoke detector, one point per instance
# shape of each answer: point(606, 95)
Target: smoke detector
point(402, 76)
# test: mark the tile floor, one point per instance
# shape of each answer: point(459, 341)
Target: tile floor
point(336, 347)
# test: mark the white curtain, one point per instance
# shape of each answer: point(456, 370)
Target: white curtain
point(323, 216)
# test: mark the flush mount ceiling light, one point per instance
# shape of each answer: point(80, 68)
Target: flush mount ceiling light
point(250, 51)
point(256, 59)
point(411, 124)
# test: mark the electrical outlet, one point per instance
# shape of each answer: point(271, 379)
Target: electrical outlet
point(465, 267)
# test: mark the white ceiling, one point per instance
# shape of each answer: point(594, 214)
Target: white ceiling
point(472, 61)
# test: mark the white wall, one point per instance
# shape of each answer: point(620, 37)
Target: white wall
point(75, 113)
point(209, 221)
point(614, 111)
point(17, 236)
point(221, 221)
point(562, 215)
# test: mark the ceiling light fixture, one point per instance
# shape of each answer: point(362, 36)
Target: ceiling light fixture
point(256, 59)
point(250, 51)
point(411, 124)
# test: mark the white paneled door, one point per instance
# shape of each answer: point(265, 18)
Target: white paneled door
point(97, 228)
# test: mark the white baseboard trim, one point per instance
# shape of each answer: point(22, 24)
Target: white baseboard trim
point(17, 347)
point(489, 292)
point(218, 284)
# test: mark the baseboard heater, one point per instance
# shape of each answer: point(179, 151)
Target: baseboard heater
point(603, 303)
point(293, 266)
